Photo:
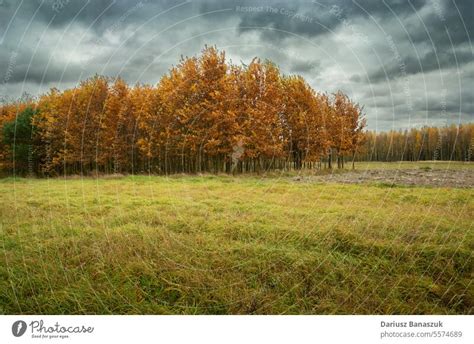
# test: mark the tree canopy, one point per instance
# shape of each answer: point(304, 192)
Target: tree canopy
point(205, 115)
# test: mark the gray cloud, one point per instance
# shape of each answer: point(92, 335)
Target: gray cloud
point(406, 61)
point(428, 62)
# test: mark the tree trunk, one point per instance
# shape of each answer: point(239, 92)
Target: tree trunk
point(330, 158)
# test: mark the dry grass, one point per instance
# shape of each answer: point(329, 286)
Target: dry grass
point(231, 245)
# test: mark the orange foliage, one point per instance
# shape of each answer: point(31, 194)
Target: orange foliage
point(204, 115)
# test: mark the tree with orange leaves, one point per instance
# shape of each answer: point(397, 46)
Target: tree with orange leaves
point(205, 115)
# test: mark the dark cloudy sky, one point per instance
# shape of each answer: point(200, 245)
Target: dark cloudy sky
point(410, 63)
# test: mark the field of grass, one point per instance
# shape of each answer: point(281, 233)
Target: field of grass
point(232, 245)
point(404, 165)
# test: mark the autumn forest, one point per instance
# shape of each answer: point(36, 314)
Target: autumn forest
point(205, 115)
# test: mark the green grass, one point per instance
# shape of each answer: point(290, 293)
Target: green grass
point(424, 165)
point(231, 245)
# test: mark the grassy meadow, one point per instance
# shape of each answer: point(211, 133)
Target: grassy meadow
point(234, 245)
point(409, 165)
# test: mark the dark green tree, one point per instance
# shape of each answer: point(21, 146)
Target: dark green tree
point(19, 136)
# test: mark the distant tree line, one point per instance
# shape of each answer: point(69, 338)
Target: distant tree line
point(205, 115)
point(454, 142)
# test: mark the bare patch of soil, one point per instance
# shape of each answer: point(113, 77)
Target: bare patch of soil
point(421, 177)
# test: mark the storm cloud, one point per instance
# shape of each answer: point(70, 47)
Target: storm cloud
point(410, 63)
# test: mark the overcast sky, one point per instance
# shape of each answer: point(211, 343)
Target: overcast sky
point(410, 63)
